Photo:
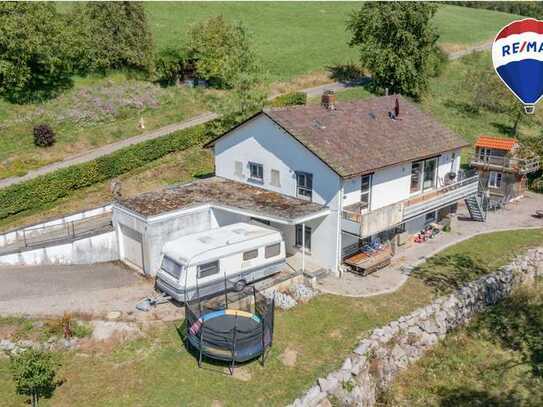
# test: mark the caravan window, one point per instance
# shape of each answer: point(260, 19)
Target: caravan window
point(251, 254)
point(171, 267)
point(273, 250)
point(208, 269)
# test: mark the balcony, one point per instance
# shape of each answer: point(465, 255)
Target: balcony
point(516, 165)
point(370, 223)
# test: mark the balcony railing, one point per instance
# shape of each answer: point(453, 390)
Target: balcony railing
point(441, 197)
point(385, 218)
point(518, 165)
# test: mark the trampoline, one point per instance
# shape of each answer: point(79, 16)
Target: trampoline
point(235, 327)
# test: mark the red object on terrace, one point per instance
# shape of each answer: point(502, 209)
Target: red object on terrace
point(497, 143)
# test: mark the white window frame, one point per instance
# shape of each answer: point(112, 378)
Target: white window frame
point(298, 238)
point(366, 192)
point(207, 267)
point(250, 254)
point(421, 188)
point(275, 178)
point(304, 191)
point(272, 250)
point(495, 179)
point(258, 174)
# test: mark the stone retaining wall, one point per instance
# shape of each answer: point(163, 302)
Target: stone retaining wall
point(375, 362)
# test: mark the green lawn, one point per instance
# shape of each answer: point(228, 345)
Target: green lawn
point(481, 365)
point(157, 370)
point(296, 38)
point(460, 26)
point(472, 258)
point(94, 112)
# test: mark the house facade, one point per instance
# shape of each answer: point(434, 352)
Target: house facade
point(330, 177)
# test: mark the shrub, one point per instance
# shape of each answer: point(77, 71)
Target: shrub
point(34, 374)
point(44, 136)
point(169, 66)
point(81, 330)
point(290, 99)
point(42, 191)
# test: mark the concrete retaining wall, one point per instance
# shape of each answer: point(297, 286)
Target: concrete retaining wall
point(15, 235)
point(94, 249)
point(375, 362)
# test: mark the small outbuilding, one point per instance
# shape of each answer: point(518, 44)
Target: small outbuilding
point(503, 167)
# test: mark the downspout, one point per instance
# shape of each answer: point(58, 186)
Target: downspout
point(303, 247)
point(338, 236)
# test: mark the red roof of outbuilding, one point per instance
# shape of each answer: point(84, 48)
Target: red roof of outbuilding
point(497, 143)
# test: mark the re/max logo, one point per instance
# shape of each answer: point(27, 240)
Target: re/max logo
point(517, 47)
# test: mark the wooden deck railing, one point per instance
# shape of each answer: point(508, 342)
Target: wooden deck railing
point(520, 165)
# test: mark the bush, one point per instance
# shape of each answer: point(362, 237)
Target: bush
point(169, 66)
point(44, 136)
point(42, 191)
point(34, 374)
point(290, 99)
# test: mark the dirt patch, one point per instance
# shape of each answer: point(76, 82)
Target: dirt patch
point(241, 373)
point(289, 357)
point(336, 333)
point(216, 403)
point(301, 82)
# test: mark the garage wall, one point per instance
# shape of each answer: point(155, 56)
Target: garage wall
point(158, 233)
point(220, 218)
point(95, 249)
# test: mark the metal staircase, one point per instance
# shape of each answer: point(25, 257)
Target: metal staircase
point(477, 204)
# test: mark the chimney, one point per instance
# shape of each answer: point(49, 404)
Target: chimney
point(328, 100)
point(397, 108)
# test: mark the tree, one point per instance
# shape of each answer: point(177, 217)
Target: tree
point(222, 51)
point(169, 66)
point(34, 62)
point(244, 75)
point(111, 35)
point(34, 374)
point(397, 44)
point(489, 93)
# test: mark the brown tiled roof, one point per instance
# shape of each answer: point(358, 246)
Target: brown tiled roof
point(359, 137)
point(497, 143)
point(220, 191)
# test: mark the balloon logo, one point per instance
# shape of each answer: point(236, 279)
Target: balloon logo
point(517, 55)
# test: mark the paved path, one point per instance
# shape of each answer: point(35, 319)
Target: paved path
point(475, 48)
point(518, 215)
point(109, 148)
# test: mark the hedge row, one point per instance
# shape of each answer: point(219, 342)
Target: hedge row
point(41, 191)
point(290, 99)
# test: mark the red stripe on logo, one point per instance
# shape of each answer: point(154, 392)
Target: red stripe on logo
point(520, 27)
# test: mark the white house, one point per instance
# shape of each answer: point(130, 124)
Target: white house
point(328, 177)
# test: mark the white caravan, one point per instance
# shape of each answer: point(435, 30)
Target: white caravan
point(197, 264)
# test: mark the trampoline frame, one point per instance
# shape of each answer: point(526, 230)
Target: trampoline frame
point(197, 309)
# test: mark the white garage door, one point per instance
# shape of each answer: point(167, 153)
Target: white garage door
point(132, 246)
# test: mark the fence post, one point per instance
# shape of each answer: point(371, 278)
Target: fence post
point(24, 238)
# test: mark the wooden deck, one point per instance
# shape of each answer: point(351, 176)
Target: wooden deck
point(366, 263)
